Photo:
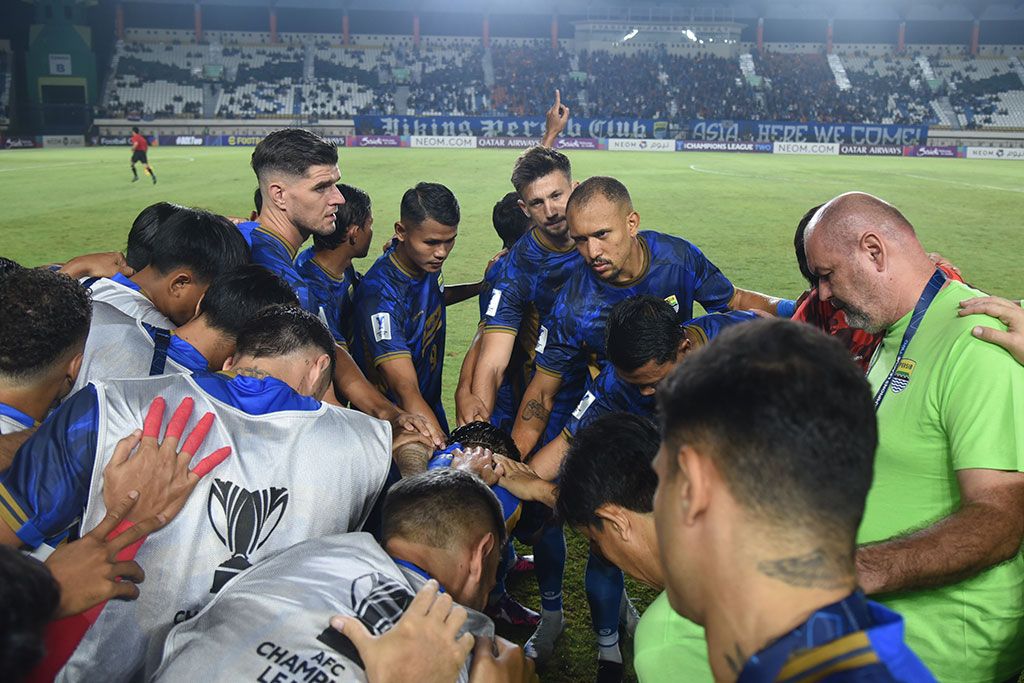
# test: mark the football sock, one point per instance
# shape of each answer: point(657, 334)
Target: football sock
point(605, 585)
point(549, 566)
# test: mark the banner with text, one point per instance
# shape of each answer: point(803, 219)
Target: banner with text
point(790, 131)
point(374, 141)
point(871, 150)
point(63, 141)
point(442, 141)
point(17, 142)
point(819, 148)
point(709, 146)
point(507, 126)
point(1016, 153)
point(940, 151)
point(634, 145)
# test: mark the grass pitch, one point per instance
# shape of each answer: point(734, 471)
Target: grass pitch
point(741, 210)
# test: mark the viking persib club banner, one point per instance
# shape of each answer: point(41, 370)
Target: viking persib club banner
point(507, 126)
point(810, 131)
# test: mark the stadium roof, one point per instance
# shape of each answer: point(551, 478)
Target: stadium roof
point(921, 10)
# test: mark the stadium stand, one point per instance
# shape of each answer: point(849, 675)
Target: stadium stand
point(5, 82)
point(310, 76)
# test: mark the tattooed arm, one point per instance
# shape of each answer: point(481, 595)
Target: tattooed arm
point(534, 410)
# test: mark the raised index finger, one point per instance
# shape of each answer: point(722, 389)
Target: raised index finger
point(558, 97)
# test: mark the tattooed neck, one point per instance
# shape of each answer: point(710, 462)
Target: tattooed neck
point(252, 372)
point(816, 569)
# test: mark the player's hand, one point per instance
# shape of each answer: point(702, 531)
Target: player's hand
point(88, 570)
point(416, 423)
point(423, 646)
point(556, 119)
point(940, 260)
point(158, 470)
point(237, 219)
point(522, 482)
point(104, 264)
point(494, 259)
point(1009, 313)
point(469, 408)
point(500, 661)
point(478, 460)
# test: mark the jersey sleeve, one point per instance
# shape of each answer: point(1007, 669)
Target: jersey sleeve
point(380, 322)
point(558, 343)
point(506, 300)
point(47, 485)
point(981, 401)
point(711, 288)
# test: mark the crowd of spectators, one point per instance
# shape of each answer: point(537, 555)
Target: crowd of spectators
point(519, 79)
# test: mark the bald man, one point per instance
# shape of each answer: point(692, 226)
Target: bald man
point(951, 445)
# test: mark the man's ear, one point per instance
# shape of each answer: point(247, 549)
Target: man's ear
point(685, 346)
point(74, 367)
point(400, 231)
point(522, 207)
point(275, 193)
point(615, 518)
point(479, 553)
point(178, 282)
point(229, 363)
point(318, 377)
point(694, 483)
point(633, 222)
point(875, 248)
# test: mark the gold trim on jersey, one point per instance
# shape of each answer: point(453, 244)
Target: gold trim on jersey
point(541, 239)
point(287, 245)
point(643, 271)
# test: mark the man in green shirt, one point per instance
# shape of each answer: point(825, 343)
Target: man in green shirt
point(950, 460)
point(607, 493)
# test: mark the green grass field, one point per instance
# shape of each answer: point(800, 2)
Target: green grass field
point(740, 209)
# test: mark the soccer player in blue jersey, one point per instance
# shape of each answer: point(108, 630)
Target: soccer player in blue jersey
point(298, 175)
point(327, 265)
point(42, 339)
point(621, 261)
point(757, 525)
point(400, 305)
point(510, 223)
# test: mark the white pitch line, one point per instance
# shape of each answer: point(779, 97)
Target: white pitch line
point(960, 182)
point(83, 163)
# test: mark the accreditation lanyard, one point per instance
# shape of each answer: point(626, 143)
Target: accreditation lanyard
point(931, 290)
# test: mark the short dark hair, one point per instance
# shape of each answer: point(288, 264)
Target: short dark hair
point(355, 211)
point(440, 508)
point(280, 330)
point(135, 129)
point(292, 151)
point(485, 434)
point(609, 462)
point(236, 297)
point(801, 250)
point(509, 220)
point(257, 199)
point(203, 242)
point(45, 315)
point(430, 201)
point(9, 266)
point(788, 419)
point(30, 596)
point(139, 250)
point(641, 329)
point(535, 163)
point(599, 186)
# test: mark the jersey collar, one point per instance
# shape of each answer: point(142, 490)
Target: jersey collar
point(542, 241)
point(417, 570)
point(18, 416)
point(181, 352)
point(122, 280)
point(646, 253)
point(254, 396)
point(292, 252)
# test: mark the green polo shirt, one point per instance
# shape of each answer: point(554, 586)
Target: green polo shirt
point(956, 403)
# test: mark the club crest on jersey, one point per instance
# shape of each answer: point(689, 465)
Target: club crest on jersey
point(673, 302)
point(901, 378)
point(381, 326)
point(243, 521)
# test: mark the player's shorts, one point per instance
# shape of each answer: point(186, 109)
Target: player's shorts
point(139, 156)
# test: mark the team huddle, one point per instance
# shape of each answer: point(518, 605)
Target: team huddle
point(228, 458)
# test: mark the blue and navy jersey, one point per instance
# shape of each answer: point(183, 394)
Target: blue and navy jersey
point(511, 506)
point(609, 393)
point(13, 420)
point(275, 254)
point(524, 285)
point(677, 271)
point(850, 641)
point(44, 491)
point(398, 313)
point(178, 350)
point(334, 291)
